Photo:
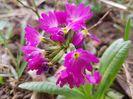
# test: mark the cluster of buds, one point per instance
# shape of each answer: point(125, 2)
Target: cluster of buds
point(66, 32)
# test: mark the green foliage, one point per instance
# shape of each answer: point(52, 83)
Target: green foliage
point(120, 1)
point(21, 69)
point(111, 63)
point(113, 94)
point(5, 38)
point(2, 40)
point(52, 88)
point(96, 7)
point(1, 80)
point(127, 30)
point(21, 66)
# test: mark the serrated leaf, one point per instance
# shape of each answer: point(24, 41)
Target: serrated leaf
point(52, 88)
point(111, 63)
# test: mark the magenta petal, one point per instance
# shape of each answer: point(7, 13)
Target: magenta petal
point(35, 59)
point(61, 17)
point(87, 56)
point(57, 37)
point(78, 39)
point(68, 78)
point(79, 13)
point(29, 49)
point(94, 37)
point(94, 79)
point(76, 63)
point(32, 36)
point(48, 21)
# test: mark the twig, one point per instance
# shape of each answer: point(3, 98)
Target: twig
point(34, 10)
point(100, 21)
point(114, 4)
point(128, 79)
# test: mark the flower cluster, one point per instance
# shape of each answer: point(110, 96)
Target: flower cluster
point(59, 23)
point(32, 54)
point(63, 28)
point(76, 63)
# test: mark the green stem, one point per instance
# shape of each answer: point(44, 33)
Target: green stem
point(58, 56)
point(49, 41)
point(69, 38)
point(88, 91)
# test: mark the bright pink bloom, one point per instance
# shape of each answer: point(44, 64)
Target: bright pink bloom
point(76, 63)
point(49, 22)
point(78, 14)
point(32, 36)
point(79, 37)
point(57, 36)
point(68, 78)
point(35, 59)
point(61, 17)
point(95, 78)
point(81, 59)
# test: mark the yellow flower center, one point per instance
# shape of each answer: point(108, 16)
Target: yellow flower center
point(74, 20)
point(85, 32)
point(65, 30)
point(76, 55)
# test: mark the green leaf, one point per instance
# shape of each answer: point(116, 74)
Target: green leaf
point(52, 88)
point(1, 80)
point(127, 30)
point(14, 73)
point(2, 40)
point(87, 90)
point(111, 63)
point(113, 94)
point(21, 69)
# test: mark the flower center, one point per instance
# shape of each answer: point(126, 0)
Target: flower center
point(85, 32)
point(74, 20)
point(76, 55)
point(65, 30)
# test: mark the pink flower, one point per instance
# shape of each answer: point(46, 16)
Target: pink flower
point(81, 59)
point(32, 36)
point(76, 64)
point(94, 79)
point(78, 14)
point(49, 22)
point(69, 78)
point(79, 37)
point(57, 36)
point(61, 17)
point(35, 59)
